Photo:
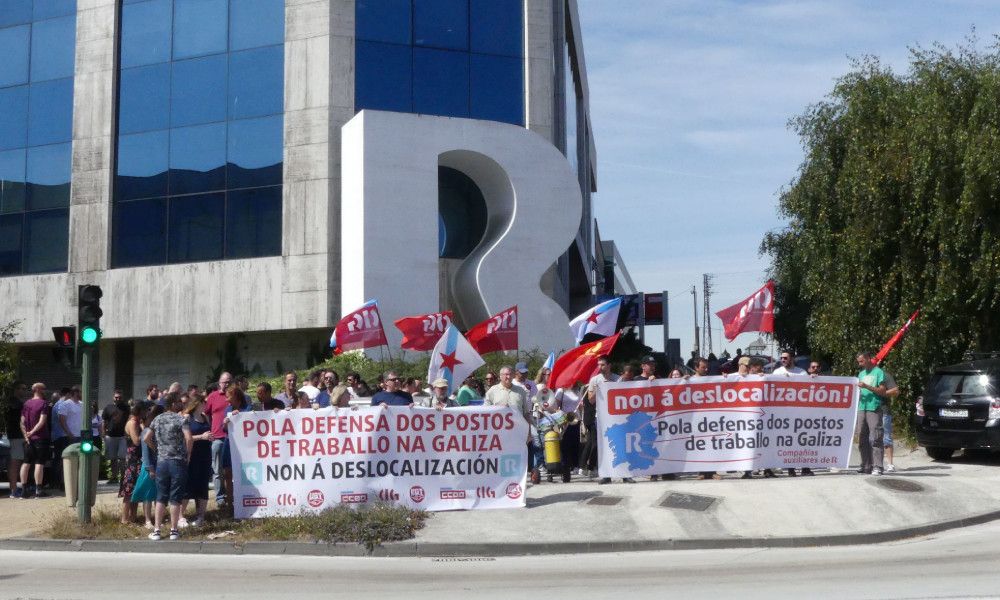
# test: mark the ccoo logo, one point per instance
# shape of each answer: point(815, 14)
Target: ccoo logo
point(452, 494)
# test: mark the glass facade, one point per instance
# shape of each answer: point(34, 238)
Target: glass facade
point(462, 214)
point(572, 102)
point(456, 58)
point(200, 129)
point(38, 42)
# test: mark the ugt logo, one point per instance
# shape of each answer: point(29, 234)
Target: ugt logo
point(510, 465)
point(252, 473)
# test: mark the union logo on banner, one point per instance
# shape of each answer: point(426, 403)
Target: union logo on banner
point(422, 332)
point(359, 329)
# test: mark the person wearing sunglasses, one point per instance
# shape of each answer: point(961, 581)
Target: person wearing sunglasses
point(392, 395)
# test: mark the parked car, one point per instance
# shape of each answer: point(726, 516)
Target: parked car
point(4, 456)
point(960, 408)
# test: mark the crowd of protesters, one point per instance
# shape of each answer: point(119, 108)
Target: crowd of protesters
point(164, 450)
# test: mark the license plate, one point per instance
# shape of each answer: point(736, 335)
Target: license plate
point(961, 413)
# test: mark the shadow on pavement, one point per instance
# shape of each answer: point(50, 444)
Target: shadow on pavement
point(562, 497)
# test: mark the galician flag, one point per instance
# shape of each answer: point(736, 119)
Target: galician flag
point(453, 358)
point(602, 320)
point(551, 360)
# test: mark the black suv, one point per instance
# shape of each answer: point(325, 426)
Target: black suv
point(960, 408)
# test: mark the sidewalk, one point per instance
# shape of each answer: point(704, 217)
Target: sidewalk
point(830, 508)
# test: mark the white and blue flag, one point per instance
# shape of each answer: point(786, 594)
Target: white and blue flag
point(453, 359)
point(549, 362)
point(601, 320)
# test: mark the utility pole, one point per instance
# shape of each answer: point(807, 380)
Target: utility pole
point(707, 316)
point(694, 298)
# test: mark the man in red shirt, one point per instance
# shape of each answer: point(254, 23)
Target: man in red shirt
point(215, 409)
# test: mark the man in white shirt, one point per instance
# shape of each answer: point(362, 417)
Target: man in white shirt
point(590, 414)
point(521, 379)
point(506, 393)
point(70, 415)
point(788, 366)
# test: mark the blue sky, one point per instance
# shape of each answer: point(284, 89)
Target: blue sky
point(690, 101)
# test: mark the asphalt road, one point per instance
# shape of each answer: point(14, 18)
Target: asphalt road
point(957, 564)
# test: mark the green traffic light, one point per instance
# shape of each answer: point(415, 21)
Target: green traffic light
point(89, 335)
point(86, 447)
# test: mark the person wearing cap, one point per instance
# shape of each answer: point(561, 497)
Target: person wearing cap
point(743, 366)
point(648, 367)
point(521, 379)
point(440, 398)
point(391, 395)
point(307, 397)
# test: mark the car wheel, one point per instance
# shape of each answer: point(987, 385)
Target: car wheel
point(940, 453)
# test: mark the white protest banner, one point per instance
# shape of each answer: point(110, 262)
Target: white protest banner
point(725, 423)
point(294, 460)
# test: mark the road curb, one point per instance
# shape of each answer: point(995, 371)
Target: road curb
point(451, 550)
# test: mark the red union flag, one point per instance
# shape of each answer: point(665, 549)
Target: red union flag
point(756, 313)
point(895, 339)
point(495, 334)
point(421, 332)
point(359, 329)
point(580, 363)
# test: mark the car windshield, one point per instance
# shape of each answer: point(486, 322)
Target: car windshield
point(963, 384)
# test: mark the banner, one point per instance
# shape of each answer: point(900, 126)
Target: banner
point(755, 313)
point(359, 329)
point(725, 424)
point(423, 331)
point(307, 460)
point(495, 334)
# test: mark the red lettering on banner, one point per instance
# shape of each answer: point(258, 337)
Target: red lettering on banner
point(712, 396)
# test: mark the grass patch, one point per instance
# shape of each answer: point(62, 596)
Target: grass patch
point(368, 526)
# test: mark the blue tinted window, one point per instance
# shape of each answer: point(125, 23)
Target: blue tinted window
point(200, 27)
point(10, 244)
point(252, 77)
point(142, 165)
point(145, 36)
point(201, 101)
point(441, 23)
point(197, 159)
point(198, 91)
point(50, 112)
point(253, 222)
point(384, 76)
point(195, 229)
point(496, 27)
point(12, 166)
point(140, 233)
point(383, 21)
point(497, 88)
point(53, 48)
point(46, 241)
point(144, 99)
point(254, 153)
point(46, 9)
point(254, 23)
point(15, 44)
point(13, 117)
point(440, 82)
point(48, 171)
point(14, 12)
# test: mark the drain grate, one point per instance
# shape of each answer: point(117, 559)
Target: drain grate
point(605, 500)
point(687, 501)
point(899, 485)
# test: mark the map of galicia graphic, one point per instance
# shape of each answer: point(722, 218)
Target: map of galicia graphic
point(643, 453)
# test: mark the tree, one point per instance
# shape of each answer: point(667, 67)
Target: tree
point(896, 207)
point(8, 364)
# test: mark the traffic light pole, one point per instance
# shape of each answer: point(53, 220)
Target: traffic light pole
point(83, 488)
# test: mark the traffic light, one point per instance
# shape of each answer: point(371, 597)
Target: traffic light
point(90, 315)
point(87, 444)
point(65, 350)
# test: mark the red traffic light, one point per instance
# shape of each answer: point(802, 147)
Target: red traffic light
point(65, 336)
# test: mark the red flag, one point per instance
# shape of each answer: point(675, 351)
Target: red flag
point(755, 313)
point(423, 331)
point(894, 339)
point(580, 363)
point(497, 333)
point(359, 329)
